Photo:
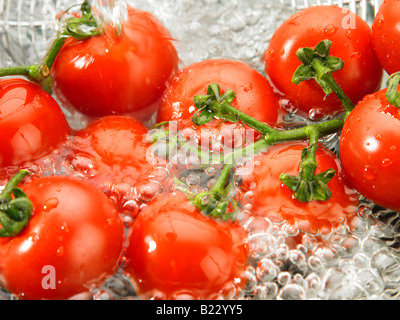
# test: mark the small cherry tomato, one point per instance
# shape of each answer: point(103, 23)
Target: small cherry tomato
point(106, 74)
point(110, 150)
point(351, 42)
point(254, 95)
point(71, 244)
point(386, 35)
point(370, 150)
point(32, 124)
point(174, 250)
point(273, 199)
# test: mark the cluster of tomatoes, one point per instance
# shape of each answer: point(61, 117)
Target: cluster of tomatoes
point(121, 82)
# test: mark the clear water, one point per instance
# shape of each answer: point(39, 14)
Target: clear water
point(360, 260)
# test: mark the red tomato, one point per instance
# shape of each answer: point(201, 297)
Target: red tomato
point(386, 35)
point(273, 199)
point(72, 243)
point(351, 41)
point(110, 150)
point(254, 95)
point(107, 75)
point(32, 124)
point(174, 249)
point(370, 150)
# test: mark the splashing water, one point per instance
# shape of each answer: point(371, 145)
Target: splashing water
point(112, 13)
point(358, 260)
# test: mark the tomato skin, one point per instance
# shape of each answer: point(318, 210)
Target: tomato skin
point(174, 248)
point(386, 35)
point(74, 228)
point(111, 149)
point(254, 95)
point(275, 200)
point(370, 150)
point(32, 124)
point(352, 44)
point(107, 75)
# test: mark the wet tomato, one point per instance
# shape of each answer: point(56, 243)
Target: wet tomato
point(111, 150)
point(386, 35)
point(271, 198)
point(254, 95)
point(71, 244)
point(370, 150)
point(108, 74)
point(351, 40)
point(174, 251)
point(32, 124)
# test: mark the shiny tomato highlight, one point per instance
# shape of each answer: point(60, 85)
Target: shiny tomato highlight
point(32, 124)
point(254, 95)
point(370, 150)
point(351, 40)
point(107, 74)
point(174, 250)
point(72, 243)
point(275, 200)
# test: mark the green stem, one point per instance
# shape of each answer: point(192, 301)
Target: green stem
point(321, 69)
point(307, 186)
point(250, 121)
point(54, 50)
point(309, 164)
point(280, 136)
point(219, 186)
point(13, 183)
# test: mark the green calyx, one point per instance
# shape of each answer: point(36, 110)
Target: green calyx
point(308, 186)
point(392, 94)
point(317, 64)
point(15, 207)
point(213, 104)
point(216, 201)
point(85, 27)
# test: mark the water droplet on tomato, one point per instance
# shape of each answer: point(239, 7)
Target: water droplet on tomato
point(379, 21)
point(50, 204)
point(310, 29)
point(64, 227)
point(330, 29)
point(315, 114)
point(349, 34)
point(60, 251)
point(131, 207)
point(386, 163)
point(248, 87)
point(149, 190)
point(355, 55)
point(128, 221)
point(160, 174)
point(250, 196)
point(288, 106)
point(282, 52)
point(369, 173)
